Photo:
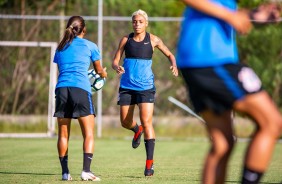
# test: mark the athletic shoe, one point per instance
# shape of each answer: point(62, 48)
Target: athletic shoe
point(66, 177)
point(149, 172)
point(137, 137)
point(89, 176)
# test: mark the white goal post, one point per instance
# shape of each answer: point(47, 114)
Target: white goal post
point(52, 85)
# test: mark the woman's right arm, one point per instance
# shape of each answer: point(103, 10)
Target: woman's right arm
point(115, 64)
point(238, 19)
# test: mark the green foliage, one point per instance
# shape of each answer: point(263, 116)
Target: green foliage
point(2, 2)
point(154, 8)
point(262, 51)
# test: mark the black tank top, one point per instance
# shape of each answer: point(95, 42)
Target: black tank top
point(138, 50)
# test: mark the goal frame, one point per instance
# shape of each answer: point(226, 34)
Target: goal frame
point(52, 85)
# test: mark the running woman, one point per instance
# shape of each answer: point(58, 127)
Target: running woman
point(137, 82)
point(73, 93)
point(218, 83)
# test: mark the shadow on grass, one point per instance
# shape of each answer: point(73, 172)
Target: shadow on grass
point(46, 174)
point(133, 177)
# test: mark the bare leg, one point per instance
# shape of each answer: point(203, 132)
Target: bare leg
point(126, 116)
point(269, 121)
point(221, 131)
point(87, 128)
point(63, 136)
point(146, 117)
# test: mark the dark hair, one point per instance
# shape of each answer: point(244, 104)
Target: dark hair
point(74, 27)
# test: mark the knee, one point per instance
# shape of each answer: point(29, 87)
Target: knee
point(63, 134)
point(275, 127)
point(147, 124)
point(222, 148)
point(89, 136)
point(63, 139)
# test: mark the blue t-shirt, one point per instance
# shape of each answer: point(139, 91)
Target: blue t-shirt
point(206, 41)
point(74, 61)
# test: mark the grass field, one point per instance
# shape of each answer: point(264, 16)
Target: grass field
point(176, 161)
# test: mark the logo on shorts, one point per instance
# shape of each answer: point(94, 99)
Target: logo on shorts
point(249, 79)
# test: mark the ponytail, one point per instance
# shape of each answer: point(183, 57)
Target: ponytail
point(74, 28)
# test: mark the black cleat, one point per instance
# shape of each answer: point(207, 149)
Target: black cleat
point(149, 172)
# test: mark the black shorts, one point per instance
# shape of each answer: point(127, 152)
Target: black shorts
point(72, 102)
point(217, 88)
point(131, 97)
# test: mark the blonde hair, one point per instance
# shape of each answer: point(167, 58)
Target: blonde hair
point(140, 12)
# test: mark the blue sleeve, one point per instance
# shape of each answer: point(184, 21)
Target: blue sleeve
point(95, 53)
point(56, 57)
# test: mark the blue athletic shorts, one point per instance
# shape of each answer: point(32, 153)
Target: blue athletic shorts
point(131, 97)
point(217, 88)
point(72, 102)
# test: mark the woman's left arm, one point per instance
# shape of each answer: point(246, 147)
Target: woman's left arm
point(99, 69)
point(157, 42)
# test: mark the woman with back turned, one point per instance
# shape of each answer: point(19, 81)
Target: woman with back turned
point(137, 82)
point(73, 93)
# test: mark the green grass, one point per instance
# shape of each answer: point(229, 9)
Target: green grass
point(176, 161)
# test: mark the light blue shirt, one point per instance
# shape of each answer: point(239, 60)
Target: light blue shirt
point(74, 61)
point(206, 41)
point(138, 74)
